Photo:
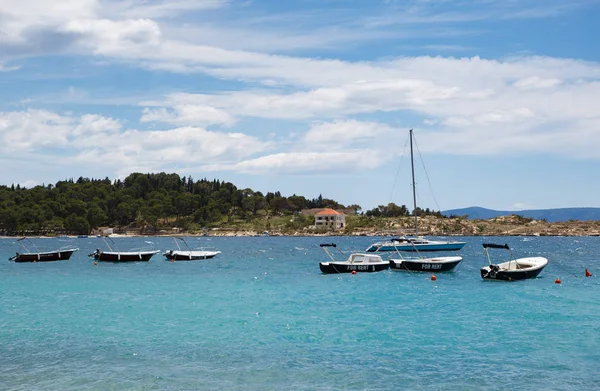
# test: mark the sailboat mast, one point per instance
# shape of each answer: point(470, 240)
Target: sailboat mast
point(412, 165)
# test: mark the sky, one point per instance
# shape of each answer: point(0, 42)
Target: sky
point(310, 97)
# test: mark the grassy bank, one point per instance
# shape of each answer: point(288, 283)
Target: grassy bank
point(429, 225)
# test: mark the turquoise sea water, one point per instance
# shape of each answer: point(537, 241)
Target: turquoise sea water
point(261, 316)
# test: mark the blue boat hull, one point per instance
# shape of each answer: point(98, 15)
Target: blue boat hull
point(453, 246)
point(512, 275)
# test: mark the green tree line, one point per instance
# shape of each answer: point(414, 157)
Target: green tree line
point(152, 202)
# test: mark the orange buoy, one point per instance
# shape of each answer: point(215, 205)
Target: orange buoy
point(353, 271)
point(557, 281)
point(95, 263)
point(588, 273)
point(433, 277)
point(172, 259)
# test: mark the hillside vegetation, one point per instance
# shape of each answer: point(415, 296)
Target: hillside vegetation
point(168, 204)
point(148, 202)
point(551, 215)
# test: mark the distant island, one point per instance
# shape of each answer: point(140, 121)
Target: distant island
point(169, 204)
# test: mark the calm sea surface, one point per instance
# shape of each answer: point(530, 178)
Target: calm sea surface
point(261, 316)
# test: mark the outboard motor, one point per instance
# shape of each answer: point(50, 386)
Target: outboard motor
point(493, 270)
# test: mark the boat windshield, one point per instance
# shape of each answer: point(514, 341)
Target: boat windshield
point(364, 258)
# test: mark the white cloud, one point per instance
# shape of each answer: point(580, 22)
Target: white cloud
point(469, 105)
point(500, 117)
point(33, 130)
point(533, 82)
point(187, 114)
point(92, 138)
point(434, 12)
point(163, 150)
point(4, 68)
point(20, 16)
point(186, 145)
point(93, 123)
point(109, 37)
point(160, 8)
point(476, 106)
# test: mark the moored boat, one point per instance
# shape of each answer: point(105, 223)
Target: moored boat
point(356, 262)
point(123, 256)
point(434, 264)
point(514, 269)
point(190, 254)
point(414, 243)
point(26, 255)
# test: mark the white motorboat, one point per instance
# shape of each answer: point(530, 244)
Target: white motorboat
point(408, 243)
point(114, 255)
point(513, 269)
point(356, 262)
point(189, 254)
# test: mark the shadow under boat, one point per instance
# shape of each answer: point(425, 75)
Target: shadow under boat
point(512, 270)
point(356, 262)
point(27, 255)
point(190, 254)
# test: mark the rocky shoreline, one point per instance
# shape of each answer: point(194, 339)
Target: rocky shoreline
point(512, 225)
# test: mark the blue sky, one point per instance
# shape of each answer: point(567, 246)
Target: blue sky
point(309, 97)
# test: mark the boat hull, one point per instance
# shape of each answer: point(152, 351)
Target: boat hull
point(452, 246)
point(503, 274)
point(425, 265)
point(143, 256)
point(61, 255)
point(341, 267)
point(190, 255)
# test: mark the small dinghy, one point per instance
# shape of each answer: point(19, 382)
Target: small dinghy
point(27, 255)
point(189, 254)
point(513, 269)
point(112, 255)
point(356, 262)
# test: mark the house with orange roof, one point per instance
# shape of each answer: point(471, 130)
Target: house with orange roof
point(330, 218)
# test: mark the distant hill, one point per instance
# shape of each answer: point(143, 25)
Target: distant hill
point(550, 215)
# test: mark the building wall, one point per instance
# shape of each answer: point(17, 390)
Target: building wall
point(335, 221)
